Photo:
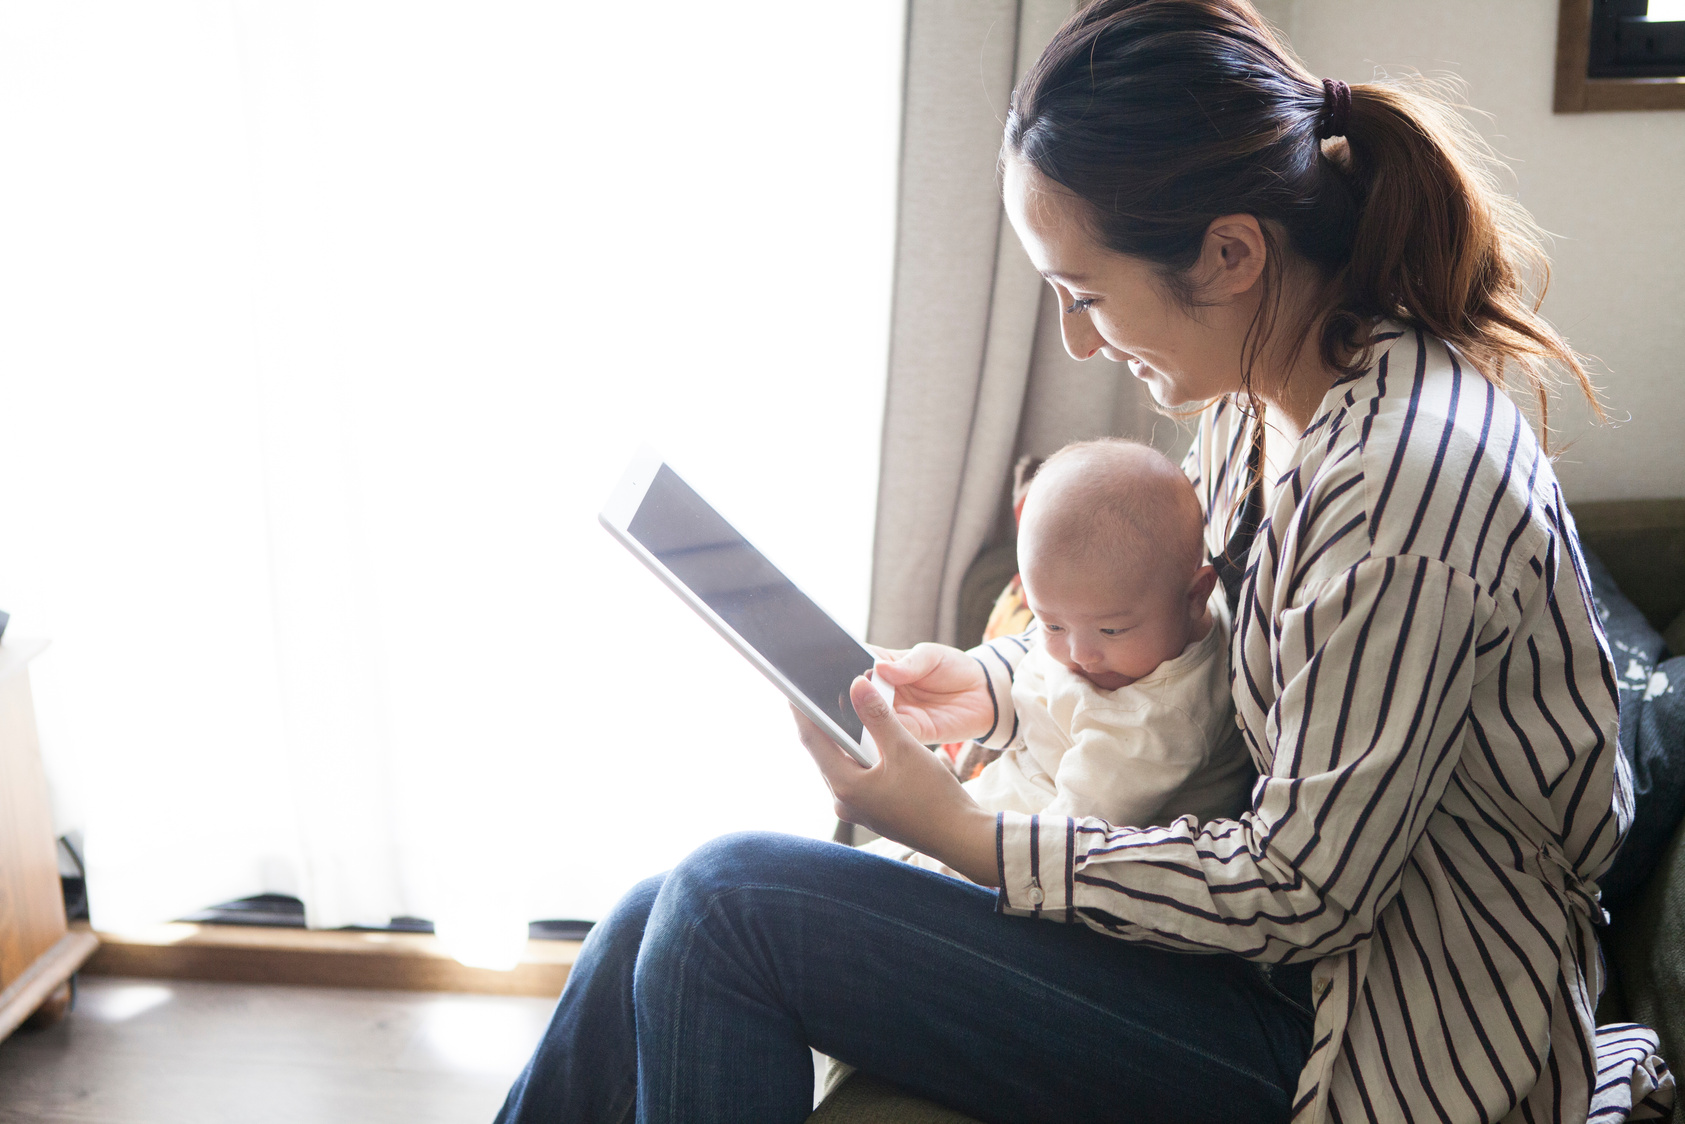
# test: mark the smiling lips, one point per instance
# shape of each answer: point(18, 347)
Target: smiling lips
point(1136, 366)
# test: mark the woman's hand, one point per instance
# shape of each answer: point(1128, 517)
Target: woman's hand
point(908, 796)
point(941, 694)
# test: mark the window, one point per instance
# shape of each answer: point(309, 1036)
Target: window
point(326, 328)
point(1620, 54)
point(1637, 39)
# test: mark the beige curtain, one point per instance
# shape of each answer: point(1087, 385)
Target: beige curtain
point(977, 373)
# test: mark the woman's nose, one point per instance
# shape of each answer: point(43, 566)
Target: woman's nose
point(1081, 340)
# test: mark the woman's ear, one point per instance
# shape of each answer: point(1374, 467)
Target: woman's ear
point(1232, 257)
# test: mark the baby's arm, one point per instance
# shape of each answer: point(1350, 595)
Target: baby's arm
point(999, 659)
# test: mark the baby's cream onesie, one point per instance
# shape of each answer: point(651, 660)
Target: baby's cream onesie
point(1162, 747)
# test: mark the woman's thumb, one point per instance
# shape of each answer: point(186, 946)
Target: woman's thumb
point(874, 712)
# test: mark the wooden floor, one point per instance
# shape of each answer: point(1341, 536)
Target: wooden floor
point(154, 1051)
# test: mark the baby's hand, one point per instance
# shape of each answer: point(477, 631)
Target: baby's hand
point(941, 694)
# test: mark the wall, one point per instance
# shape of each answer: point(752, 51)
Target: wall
point(1609, 186)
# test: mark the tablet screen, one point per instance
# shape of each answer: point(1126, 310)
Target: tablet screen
point(749, 593)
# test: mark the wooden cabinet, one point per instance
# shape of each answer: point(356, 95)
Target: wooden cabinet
point(38, 953)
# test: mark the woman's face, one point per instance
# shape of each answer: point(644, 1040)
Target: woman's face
point(1114, 305)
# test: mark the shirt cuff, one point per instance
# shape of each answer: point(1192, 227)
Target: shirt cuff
point(998, 667)
point(1034, 856)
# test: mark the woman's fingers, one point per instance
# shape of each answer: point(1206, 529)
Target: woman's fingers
point(909, 795)
point(835, 765)
point(869, 704)
point(875, 714)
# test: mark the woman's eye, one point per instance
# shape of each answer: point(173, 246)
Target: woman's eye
point(1078, 304)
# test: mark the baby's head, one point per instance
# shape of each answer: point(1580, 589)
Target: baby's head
point(1112, 555)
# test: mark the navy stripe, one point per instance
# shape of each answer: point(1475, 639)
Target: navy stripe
point(1431, 709)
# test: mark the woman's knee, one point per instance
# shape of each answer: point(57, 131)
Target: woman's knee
point(725, 885)
point(745, 858)
point(622, 931)
point(719, 906)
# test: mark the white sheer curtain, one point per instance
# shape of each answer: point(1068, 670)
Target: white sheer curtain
point(325, 328)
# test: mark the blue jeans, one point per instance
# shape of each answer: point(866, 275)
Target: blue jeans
point(697, 998)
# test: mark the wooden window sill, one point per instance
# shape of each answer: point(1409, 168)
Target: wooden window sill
point(322, 958)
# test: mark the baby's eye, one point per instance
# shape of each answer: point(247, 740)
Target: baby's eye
point(1078, 304)
point(1113, 631)
point(1045, 627)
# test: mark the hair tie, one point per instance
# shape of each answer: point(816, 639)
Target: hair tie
point(1336, 107)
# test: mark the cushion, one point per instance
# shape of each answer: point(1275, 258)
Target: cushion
point(1652, 734)
point(1643, 541)
point(1646, 947)
point(980, 590)
point(868, 1100)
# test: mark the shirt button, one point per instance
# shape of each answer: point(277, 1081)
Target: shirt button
point(1320, 988)
point(1036, 896)
point(1238, 724)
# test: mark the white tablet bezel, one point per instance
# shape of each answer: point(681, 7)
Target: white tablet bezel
point(616, 517)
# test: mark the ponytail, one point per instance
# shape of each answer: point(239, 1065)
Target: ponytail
point(1164, 114)
point(1439, 244)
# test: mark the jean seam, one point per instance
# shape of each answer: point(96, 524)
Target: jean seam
point(679, 1035)
point(1308, 1012)
point(709, 905)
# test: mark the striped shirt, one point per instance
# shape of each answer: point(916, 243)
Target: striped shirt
point(1431, 705)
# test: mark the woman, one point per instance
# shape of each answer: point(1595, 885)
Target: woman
point(1401, 926)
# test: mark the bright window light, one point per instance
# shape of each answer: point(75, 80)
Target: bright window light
point(120, 1002)
point(480, 1033)
point(327, 327)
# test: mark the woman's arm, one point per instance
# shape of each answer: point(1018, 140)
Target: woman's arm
point(1364, 727)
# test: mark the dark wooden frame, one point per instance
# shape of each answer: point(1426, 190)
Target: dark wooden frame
point(1577, 93)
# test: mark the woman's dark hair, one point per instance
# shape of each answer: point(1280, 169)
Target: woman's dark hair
point(1162, 115)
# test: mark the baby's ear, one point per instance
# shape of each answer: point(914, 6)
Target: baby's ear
point(1199, 590)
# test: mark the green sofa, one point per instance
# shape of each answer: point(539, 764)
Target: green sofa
point(1643, 544)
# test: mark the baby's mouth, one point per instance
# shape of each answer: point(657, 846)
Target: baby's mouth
point(1104, 680)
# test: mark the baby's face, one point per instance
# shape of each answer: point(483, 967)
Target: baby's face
point(1110, 624)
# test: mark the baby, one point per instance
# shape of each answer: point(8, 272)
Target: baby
point(1122, 702)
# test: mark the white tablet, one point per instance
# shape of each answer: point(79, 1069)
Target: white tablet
point(760, 612)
